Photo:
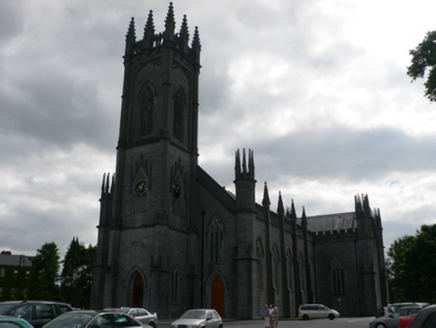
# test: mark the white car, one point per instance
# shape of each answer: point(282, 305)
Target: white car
point(315, 311)
point(140, 314)
point(199, 318)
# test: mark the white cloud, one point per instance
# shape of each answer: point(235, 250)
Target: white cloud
point(317, 89)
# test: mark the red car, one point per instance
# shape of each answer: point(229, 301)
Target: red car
point(405, 321)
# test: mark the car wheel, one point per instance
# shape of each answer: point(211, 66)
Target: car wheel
point(305, 317)
point(152, 324)
point(379, 325)
point(331, 316)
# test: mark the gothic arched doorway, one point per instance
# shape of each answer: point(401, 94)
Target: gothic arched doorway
point(138, 291)
point(218, 296)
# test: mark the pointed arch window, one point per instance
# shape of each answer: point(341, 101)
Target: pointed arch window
point(146, 111)
point(337, 272)
point(216, 237)
point(302, 272)
point(179, 114)
point(174, 286)
point(260, 254)
point(276, 268)
point(290, 269)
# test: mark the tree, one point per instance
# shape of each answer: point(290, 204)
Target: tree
point(412, 266)
point(44, 273)
point(76, 276)
point(423, 57)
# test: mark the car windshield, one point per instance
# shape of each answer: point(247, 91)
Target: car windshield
point(70, 320)
point(5, 307)
point(194, 314)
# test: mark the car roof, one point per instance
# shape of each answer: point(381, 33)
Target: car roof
point(422, 315)
point(201, 309)
point(34, 301)
point(82, 311)
point(9, 317)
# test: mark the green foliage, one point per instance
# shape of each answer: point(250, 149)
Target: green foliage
point(76, 276)
point(423, 57)
point(412, 267)
point(44, 273)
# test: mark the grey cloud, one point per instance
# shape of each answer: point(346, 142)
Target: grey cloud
point(11, 20)
point(350, 155)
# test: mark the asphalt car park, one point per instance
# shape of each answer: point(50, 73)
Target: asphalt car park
point(294, 323)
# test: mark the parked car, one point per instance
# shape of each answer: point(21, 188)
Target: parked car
point(140, 314)
point(316, 311)
point(405, 321)
point(394, 306)
point(13, 322)
point(37, 313)
point(392, 320)
point(426, 318)
point(199, 318)
point(88, 319)
point(381, 312)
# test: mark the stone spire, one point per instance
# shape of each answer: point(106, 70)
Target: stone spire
point(280, 207)
point(304, 219)
point(184, 35)
point(170, 24)
point(265, 201)
point(149, 31)
point(196, 46)
point(130, 38)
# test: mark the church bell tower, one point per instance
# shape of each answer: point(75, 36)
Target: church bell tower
point(148, 226)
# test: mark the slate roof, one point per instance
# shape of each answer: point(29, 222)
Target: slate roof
point(331, 222)
point(15, 260)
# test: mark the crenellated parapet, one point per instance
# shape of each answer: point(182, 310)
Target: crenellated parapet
point(342, 234)
point(153, 42)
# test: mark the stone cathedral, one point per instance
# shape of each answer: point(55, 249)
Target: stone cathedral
point(170, 238)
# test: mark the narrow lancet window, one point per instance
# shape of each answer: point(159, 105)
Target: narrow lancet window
point(175, 286)
point(337, 271)
point(146, 118)
point(216, 237)
point(179, 113)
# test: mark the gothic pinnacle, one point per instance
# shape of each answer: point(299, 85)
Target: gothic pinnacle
point(266, 202)
point(184, 34)
point(169, 24)
point(237, 164)
point(149, 31)
point(280, 207)
point(130, 37)
point(196, 46)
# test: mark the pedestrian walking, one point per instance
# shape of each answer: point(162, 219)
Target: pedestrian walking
point(267, 317)
point(276, 316)
point(271, 315)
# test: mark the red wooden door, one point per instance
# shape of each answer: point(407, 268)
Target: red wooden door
point(138, 291)
point(218, 296)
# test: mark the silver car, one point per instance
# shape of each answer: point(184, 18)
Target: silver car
point(199, 318)
point(392, 320)
point(89, 319)
point(139, 314)
point(316, 311)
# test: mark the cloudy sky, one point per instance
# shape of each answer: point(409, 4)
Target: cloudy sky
point(317, 88)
